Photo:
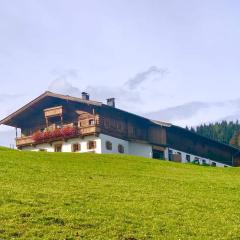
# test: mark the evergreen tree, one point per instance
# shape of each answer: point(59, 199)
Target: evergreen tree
point(224, 131)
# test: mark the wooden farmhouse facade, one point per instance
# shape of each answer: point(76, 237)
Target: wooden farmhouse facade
point(59, 123)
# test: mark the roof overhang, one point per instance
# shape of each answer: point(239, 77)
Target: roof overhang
point(9, 120)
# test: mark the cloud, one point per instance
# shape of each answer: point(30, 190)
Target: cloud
point(128, 95)
point(125, 98)
point(195, 113)
point(140, 95)
point(61, 84)
point(141, 77)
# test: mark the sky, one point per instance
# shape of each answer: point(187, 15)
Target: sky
point(152, 55)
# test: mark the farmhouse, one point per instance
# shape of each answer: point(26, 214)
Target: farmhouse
point(59, 123)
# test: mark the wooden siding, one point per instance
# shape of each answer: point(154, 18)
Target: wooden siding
point(85, 119)
point(24, 141)
point(183, 140)
point(90, 130)
point(157, 135)
point(55, 111)
point(133, 130)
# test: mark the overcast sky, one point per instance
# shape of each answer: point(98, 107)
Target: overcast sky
point(149, 54)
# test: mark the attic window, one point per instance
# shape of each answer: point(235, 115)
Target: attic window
point(91, 122)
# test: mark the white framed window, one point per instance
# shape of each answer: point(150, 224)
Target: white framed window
point(91, 145)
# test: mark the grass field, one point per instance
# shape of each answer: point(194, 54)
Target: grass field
point(87, 196)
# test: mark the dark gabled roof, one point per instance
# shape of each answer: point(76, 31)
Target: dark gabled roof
point(7, 120)
point(234, 149)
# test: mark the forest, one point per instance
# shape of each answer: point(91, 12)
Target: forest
point(225, 132)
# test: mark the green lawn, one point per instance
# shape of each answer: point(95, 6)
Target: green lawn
point(87, 196)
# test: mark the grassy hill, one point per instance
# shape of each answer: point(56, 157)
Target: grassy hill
point(87, 196)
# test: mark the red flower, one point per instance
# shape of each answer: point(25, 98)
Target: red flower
point(56, 133)
point(38, 136)
point(69, 131)
point(64, 132)
point(47, 135)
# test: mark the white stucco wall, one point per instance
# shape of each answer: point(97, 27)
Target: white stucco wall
point(67, 146)
point(115, 142)
point(140, 149)
point(131, 148)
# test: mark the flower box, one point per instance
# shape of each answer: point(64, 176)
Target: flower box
point(64, 132)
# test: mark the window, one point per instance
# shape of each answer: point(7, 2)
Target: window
point(58, 148)
point(108, 145)
point(204, 162)
point(76, 147)
point(119, 126)
point(134, 131)
point(170, 155)
point(42, 150)
point(106, 123)
point(157, 154)
point(91, 145)
point(213, 164)
point(120, 148)
point(91, 122)
point(188, 158)
point(196, 160)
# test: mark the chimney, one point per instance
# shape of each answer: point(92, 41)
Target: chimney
point(111, 102)
point(85, 96)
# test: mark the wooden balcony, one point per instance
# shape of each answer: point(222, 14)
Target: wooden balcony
point(85, 131)
point(81, 132)
point(55, 111)
point(24, 141)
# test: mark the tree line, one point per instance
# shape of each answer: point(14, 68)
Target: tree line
point(225, 132)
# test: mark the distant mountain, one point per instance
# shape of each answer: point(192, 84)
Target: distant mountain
point(195, 113)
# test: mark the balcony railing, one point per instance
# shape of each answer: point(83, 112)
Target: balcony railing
point(24, 141)
point(84, 131)
point(56, 134)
